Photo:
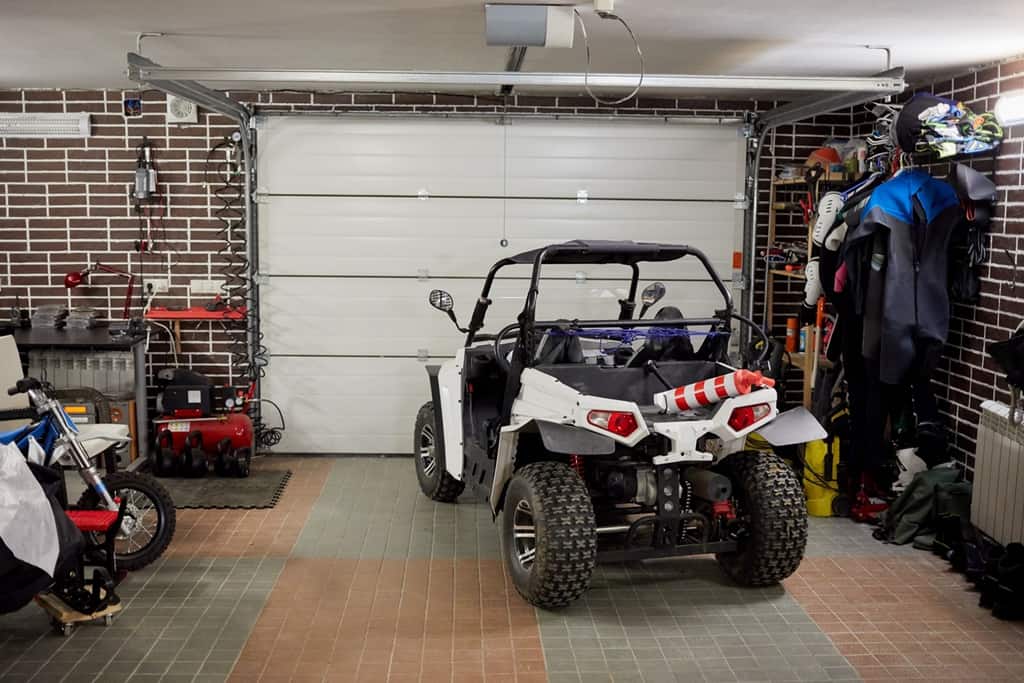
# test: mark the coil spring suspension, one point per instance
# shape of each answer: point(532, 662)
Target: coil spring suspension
point(226, 178)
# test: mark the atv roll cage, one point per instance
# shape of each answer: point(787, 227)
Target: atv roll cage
point(579, 252)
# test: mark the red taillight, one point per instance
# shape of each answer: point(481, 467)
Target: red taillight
point(616, 422)
point(748, 416)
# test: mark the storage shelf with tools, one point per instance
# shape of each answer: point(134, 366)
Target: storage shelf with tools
point(195, 314)
point(795, 274)
point(803, 359)
point(786, 196)
point(828, 177)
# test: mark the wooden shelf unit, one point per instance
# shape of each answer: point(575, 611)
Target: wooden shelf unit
point(804, 361)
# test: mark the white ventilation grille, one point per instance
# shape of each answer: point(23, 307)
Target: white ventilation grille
point(44, 125)
point(997, 499)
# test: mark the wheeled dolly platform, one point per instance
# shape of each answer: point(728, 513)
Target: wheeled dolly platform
point(64, 619)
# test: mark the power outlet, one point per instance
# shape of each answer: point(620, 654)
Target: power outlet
point(206, 286)
point(159, 285)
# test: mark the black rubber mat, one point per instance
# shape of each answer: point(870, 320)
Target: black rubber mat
point(261, 489)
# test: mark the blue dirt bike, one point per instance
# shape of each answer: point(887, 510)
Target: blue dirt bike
point(149, 517)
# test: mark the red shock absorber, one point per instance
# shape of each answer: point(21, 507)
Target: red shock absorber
point(576, 462)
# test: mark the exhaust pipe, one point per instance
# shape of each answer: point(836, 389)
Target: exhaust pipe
point(708, 485)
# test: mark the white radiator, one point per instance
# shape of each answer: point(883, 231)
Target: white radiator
point(997, 498)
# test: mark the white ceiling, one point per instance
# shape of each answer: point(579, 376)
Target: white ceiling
point(82, 43)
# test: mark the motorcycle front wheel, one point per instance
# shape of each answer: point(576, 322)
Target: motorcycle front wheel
point(149, 517)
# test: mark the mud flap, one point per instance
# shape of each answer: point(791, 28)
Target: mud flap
point(792, 427)
point(435, 397)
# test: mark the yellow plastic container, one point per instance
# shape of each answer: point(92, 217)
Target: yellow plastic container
point(819, 496)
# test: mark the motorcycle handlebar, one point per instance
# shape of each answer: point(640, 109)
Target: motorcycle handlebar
point(24, 386)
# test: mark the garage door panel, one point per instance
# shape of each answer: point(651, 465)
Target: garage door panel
point(635, 178)
point(379, 236)
point(622, 159)
point(362, 316)
point(346, 405)
point(462, 237)
point(708, 227)
point(383, 157)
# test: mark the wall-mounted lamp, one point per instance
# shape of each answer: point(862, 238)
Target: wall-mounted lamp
point(75, 278)
point(1009, 108)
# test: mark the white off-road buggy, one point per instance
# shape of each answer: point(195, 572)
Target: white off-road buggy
point(555, 424)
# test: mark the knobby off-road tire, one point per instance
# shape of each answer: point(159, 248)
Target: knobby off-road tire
point(768, 494)
point(147, 497)
point(552, 498)
point(434, 479)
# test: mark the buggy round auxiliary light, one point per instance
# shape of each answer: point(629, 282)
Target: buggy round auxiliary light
point(614, 421)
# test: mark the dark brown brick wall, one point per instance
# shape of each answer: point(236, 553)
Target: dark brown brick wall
point(967, 376)
point(64, 203)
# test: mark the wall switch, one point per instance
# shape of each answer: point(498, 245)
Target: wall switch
point(159, 285)
point(206, 286)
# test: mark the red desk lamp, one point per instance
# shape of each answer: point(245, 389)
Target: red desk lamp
point(75, 278)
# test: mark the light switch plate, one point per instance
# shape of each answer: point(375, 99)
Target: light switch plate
point(205, 286)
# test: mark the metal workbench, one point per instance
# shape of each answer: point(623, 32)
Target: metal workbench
point(98, 339)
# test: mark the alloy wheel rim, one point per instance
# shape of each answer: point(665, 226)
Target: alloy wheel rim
point(140, 524)
point(524, 534)
point(427, 460)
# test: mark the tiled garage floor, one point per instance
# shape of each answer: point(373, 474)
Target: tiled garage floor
point(355, 576)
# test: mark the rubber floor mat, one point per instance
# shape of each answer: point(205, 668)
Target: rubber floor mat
point(261, 489)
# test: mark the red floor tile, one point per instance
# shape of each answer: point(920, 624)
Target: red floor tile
point(393, 620)
point(254, 533)
point(906, 618)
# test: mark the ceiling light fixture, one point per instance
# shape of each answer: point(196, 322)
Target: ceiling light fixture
point(44, 125)
point(1009, 108)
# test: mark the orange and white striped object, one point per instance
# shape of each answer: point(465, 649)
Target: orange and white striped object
point(690, 396)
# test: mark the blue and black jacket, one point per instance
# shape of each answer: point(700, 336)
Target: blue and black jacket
point(897, 261)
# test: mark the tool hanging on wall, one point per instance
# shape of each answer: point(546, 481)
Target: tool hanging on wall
point(144, 189)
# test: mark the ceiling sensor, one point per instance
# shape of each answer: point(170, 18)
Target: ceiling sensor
point(180, 110)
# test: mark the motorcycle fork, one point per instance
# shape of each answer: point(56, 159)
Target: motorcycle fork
point(86, 469)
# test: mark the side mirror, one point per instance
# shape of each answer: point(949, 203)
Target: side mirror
point(442, 300)
point(652, 294)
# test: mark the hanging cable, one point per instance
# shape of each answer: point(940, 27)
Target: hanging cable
point(226, 178)
point(586, 44)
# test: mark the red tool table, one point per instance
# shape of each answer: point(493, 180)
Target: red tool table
point(195, 313)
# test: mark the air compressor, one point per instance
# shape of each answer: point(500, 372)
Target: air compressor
point(201, 423)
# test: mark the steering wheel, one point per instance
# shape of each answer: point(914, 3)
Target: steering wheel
point(767, 342)
point(499, 357)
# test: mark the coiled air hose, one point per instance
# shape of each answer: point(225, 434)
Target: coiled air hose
point(224, 175)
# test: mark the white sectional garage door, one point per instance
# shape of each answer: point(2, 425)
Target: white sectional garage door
point(360, 218)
